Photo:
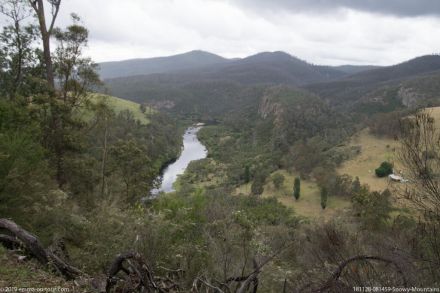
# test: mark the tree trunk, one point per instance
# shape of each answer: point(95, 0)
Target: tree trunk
point(38, 7)
point(18, 75)
point(36, 249)
point(104, 158)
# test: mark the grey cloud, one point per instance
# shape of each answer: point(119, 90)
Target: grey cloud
point(402, 8)
point(316, 31)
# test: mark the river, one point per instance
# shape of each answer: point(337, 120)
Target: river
point(192, 150)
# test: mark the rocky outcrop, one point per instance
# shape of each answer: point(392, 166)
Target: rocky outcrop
point(271, 106)
point(409, 96)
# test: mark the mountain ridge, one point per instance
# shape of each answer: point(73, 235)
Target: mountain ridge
point(356, 86)
point(142, 66)
point(206, 62)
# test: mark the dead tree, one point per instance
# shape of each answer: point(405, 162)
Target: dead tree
point(237, 284)
point(129, 270)
point(31, 244)
point(420, 155)
point(138, 276)
point(9, 242)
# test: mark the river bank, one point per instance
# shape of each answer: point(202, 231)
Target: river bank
point(192, 150)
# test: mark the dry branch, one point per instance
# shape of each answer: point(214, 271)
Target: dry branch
point(332, 281)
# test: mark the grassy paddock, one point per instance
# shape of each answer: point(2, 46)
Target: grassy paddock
point(374, 151)
point(118, 105)
point(309, 203)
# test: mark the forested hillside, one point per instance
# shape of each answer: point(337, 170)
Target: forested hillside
point(267, 67)
point(186, 61)
point(351, 89)
point(218, 87)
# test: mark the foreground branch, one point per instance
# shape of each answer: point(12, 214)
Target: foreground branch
point(332, 281)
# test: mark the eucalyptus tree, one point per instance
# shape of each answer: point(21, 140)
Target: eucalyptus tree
point(17, 55)
point(46, 30)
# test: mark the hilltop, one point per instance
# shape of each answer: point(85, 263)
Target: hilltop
point(185, 61)
point(267, 67)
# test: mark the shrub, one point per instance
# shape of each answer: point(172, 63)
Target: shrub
point(278, 180)
point(373, 208)
point(257, 186)
point(385, 169)
point(324, 197)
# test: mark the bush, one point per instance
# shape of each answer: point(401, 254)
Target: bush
point(385, 169)
point(324, 197)
point(257, 186)
point(278, 180)
point(373, 208)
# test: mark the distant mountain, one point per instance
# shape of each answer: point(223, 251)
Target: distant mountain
point(413, 67)
point(218, 86)
point(274, 68)
point(263, 68)
point(353, 69)
point(190, 60)
point(354, 87)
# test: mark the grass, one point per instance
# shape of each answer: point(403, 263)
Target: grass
point(374, 151)
point(27, 273)
point(309, 203)
point(435, 113)
point(213, 174)
point(118, 105)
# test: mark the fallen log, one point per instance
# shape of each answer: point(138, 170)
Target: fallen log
point(33, 245)
point(9, 242)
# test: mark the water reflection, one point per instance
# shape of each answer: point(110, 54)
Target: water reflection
point(193, 150)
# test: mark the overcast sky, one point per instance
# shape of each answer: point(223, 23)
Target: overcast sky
point(320, 31)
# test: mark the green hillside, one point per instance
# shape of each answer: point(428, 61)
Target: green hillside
point(119, 105)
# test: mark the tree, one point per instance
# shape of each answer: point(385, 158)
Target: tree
point(278, 180)
point(75, 75)
point(46, 33)
point(23, 171)
point(297, 188)
point(257, 186)
point(16, 51)
point(247, 174)
point(384, 169)
point(373, 208)
point(17, 61)
point(324, 196)
point(103, 115)
point(356, 186)
point(142, 108)
point(420, 136)
point(132, 164)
